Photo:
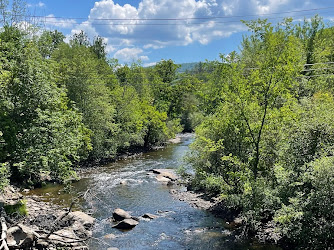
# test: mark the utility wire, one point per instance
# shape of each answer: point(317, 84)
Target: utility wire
point(178, 19)
point(111, 23)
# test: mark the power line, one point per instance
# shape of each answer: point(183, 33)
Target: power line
point(65, 21)
point(178, 19)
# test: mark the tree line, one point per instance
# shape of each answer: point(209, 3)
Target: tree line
point(266, 142)
point(62, 104)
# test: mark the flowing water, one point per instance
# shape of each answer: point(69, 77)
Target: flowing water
point(179, 226)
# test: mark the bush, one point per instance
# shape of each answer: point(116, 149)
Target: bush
point(4, 175)
point(308, 219)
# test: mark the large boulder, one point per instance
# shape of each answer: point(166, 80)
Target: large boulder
point(120, 214)
point(20, 236)
point(126, 224)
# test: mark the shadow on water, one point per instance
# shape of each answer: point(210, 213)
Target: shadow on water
point(179, 226)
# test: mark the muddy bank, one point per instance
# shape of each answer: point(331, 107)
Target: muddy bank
point(29, 223)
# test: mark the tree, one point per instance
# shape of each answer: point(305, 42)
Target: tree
point(166, 70)
point(80, 39)
point(41, 135)
point(87, 88)
point(49, 41)
point(99, 48)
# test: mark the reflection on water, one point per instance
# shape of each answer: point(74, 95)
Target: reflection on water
point(179, 226)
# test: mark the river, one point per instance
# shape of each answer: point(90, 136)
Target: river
point(179, 225)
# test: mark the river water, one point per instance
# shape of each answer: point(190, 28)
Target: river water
point(179, 226)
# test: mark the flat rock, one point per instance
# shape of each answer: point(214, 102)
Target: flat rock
point(64, 238)
point(126, 224)
point(119, 214)
point(167, 173)
point(161, 178)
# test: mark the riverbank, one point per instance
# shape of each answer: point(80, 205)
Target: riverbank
point(29, 223)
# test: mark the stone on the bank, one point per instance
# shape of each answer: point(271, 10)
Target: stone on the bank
point(20, 236)
point(149, 216)
point(120, 214)
point(42, 244)
point(126, 224)
point(10, 197)
point(64, 238)
point(86, 220)
point(80, 230)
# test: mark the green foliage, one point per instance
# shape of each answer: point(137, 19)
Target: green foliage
point(87, 89)
point(18, 209)
point(40, 133)
point(4, 174)
point(267, 146)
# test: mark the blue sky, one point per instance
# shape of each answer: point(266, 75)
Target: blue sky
point(193, 34)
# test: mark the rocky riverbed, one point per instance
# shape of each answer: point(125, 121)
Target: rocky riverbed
point(29, 223)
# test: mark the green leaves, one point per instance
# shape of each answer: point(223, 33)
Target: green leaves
point(40, 134)
point(268, 145)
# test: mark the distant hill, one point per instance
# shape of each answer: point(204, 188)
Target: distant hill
point(186, 66)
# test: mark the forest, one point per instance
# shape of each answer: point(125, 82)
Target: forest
point(263, 119)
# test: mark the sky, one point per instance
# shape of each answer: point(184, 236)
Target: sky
point(181, 30)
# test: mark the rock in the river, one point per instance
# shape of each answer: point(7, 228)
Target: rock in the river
point(167, 173)
point(126, 224)
point(20, 236)
point(120, 214)
point(161, 178)
point(110, 236)
point(149, 216)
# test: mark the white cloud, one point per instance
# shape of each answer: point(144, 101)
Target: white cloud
point(39, 5)
point(184, 29)
point(130, 54)
point(126, 25)
point(59, 22)
point(149, 64)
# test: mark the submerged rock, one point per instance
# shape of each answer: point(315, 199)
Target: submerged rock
point(149, 216)
point(126, 224)
point(109, 236)
point(120, 214)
